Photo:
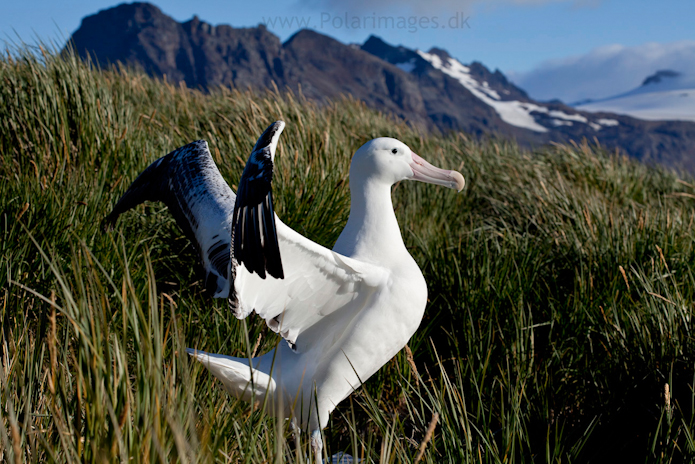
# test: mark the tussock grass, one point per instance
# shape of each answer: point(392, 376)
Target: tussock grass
point(561, 287)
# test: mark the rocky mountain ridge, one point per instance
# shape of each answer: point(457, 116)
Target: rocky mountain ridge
point(430, 89)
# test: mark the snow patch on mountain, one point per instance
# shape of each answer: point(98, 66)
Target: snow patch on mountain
point(608, 122)
point(567, 117)
point(665, 95)
point(512, 112)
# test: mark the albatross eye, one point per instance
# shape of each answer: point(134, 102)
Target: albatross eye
point(394, 151)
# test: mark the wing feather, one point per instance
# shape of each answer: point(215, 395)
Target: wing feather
point(189, 183)
point(255, 239)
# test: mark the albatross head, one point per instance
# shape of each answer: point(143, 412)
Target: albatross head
point(389, 161)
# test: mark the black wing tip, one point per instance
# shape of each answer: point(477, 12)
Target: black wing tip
point(276, 272)
point(255, 242)
point(270, 135)
point(273, 259)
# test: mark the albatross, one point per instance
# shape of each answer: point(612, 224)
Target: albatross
point(343, 312)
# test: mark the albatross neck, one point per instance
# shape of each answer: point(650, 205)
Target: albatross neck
point(371, 233)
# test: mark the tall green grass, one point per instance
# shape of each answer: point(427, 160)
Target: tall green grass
point(561, 287)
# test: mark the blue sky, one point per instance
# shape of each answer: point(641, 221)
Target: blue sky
point(523, 38)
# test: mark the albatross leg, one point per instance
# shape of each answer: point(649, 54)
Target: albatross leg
point(317, 446)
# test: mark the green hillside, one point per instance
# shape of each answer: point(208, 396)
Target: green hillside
point(561, 287)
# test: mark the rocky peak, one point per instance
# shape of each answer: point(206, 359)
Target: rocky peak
point(393, 54)
point(440, 52)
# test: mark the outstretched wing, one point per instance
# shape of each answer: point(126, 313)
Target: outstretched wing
point(255, 239)
point(290, 281)
point(189, 183)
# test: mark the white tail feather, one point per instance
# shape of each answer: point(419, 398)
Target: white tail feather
point(238, 377)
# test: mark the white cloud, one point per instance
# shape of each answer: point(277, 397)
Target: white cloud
point(605, 71)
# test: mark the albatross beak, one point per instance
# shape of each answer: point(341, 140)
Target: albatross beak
point(425, 172)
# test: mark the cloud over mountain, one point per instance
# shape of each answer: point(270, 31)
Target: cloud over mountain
point(605, 71)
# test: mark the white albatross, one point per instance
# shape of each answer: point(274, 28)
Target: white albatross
point(343, 312)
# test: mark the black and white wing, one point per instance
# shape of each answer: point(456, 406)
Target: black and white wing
point(189, 183)
point(296, 285)
point(254, 236)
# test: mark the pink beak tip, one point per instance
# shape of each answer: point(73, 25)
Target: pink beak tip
point(460, 181)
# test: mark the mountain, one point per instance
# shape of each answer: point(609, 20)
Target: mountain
point(431, 90)
point(205, 56)
point(504, 100)
point(665, 95)
point(528, 121)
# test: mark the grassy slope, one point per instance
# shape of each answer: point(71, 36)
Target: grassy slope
point(561, 287)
